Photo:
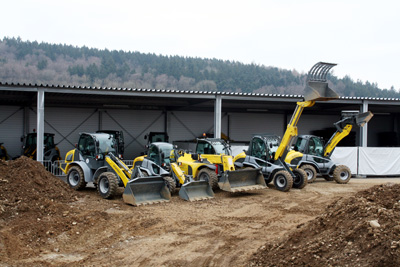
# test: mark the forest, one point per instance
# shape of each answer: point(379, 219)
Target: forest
point(60, 64)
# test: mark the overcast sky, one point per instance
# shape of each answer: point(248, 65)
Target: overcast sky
point(361, 36)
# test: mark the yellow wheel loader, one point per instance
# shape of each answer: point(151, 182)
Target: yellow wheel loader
point(160, 160)
point(51, 151)
point(93, 161)
point(311, 155)
point(213, 162)
point(3, 153)
point(271, 148)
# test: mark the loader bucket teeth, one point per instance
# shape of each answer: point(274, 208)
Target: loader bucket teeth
point(363, 118)
point(242, 180)
point(148, 190)
point(317, 86)
point(195, 191)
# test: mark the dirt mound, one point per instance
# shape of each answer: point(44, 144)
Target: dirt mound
point(32, 201)
point(363, 230)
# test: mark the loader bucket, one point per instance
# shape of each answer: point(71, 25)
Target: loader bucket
point(319, 91)
point(242, 180)
point(146, 190)
point(196, 190)
point(363, 118)
point(317, 86)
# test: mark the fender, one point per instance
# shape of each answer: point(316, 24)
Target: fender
point(98, 172)
point(86, 171)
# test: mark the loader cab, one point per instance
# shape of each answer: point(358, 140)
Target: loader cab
point(159, 153)
point(51, 152)
point(94, 147)
point(309, 144)
point(264, 146)
point(213, 146)
point(119, 138)
point(154, 137)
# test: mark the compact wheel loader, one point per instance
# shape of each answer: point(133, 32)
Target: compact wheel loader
point(311, 155)
point(213, 162)
point(51, 151)
point(163, 154)
point(271, 148)
point(93, 160)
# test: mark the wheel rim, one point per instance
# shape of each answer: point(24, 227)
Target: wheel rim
point(104, 185)
point(74, 178)
point(344, 175)
point(280, 181)
point(309, 174)
point(204, 177)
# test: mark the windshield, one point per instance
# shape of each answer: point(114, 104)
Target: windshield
point(220, 148)
point(273, 143)
point(166, 149)
point(316, 146)
point(106, 143)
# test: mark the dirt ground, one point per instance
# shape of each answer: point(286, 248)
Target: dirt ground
point(45, 223)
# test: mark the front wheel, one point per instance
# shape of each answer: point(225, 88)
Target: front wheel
point(210, 176)
point(300, 179)
point(283, 181)
point(170, 182)
point(311, 172)
point(342, 174)
point(107, 185)
point(75, 178)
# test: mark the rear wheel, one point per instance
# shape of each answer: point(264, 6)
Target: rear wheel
point(342, 174)
point(170, 182)
point(210, 176)
point(75, 178)
point(311, 172)
point(300, 179)
point(107, 185)
point(283, 181)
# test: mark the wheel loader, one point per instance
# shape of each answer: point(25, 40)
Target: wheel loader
point(310, 154)
point(270, 148)
point(163, 154)
point(93, 160)
point(51, 151)
point(3, 153)
point(213, 162)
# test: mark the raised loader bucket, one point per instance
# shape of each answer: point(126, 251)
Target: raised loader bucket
point(146, 190)
point(363, 118)
point(242, 180)
point(317, 87)
point(196, 190)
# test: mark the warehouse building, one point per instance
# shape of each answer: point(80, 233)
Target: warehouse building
point(184, 115)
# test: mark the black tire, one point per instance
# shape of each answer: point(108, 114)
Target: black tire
point(283, 181)
point(107, 185)
point(300, 179)
point(342, 174)
point(311, 172)
point(210, 176)
point(328, 177)
point(268, 179)
point(75, 178)
point(170, 182)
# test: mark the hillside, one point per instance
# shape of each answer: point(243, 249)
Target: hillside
point(44, 63)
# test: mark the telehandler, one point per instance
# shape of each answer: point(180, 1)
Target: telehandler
point(93, 160)
point(272, 149)
point(310, 154)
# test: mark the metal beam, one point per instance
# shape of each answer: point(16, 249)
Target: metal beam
point(217, 116)
point(40, 125)
point(364, 130)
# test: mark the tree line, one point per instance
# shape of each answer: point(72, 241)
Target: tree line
point(57, 64)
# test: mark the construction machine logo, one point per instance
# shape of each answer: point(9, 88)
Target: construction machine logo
point(87, 161)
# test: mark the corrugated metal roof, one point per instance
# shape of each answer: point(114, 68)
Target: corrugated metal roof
point(144, 90)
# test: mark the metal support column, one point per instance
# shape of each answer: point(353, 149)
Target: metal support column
point(364, 130)
point(217, 116)
point(40, 125)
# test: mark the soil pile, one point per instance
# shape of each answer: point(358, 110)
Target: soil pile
point(363, 230)
point(33, 204)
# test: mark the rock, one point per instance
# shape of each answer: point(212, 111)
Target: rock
point(374, 224)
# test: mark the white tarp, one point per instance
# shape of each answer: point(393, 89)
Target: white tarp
point(346, 156)
point(379, 161)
